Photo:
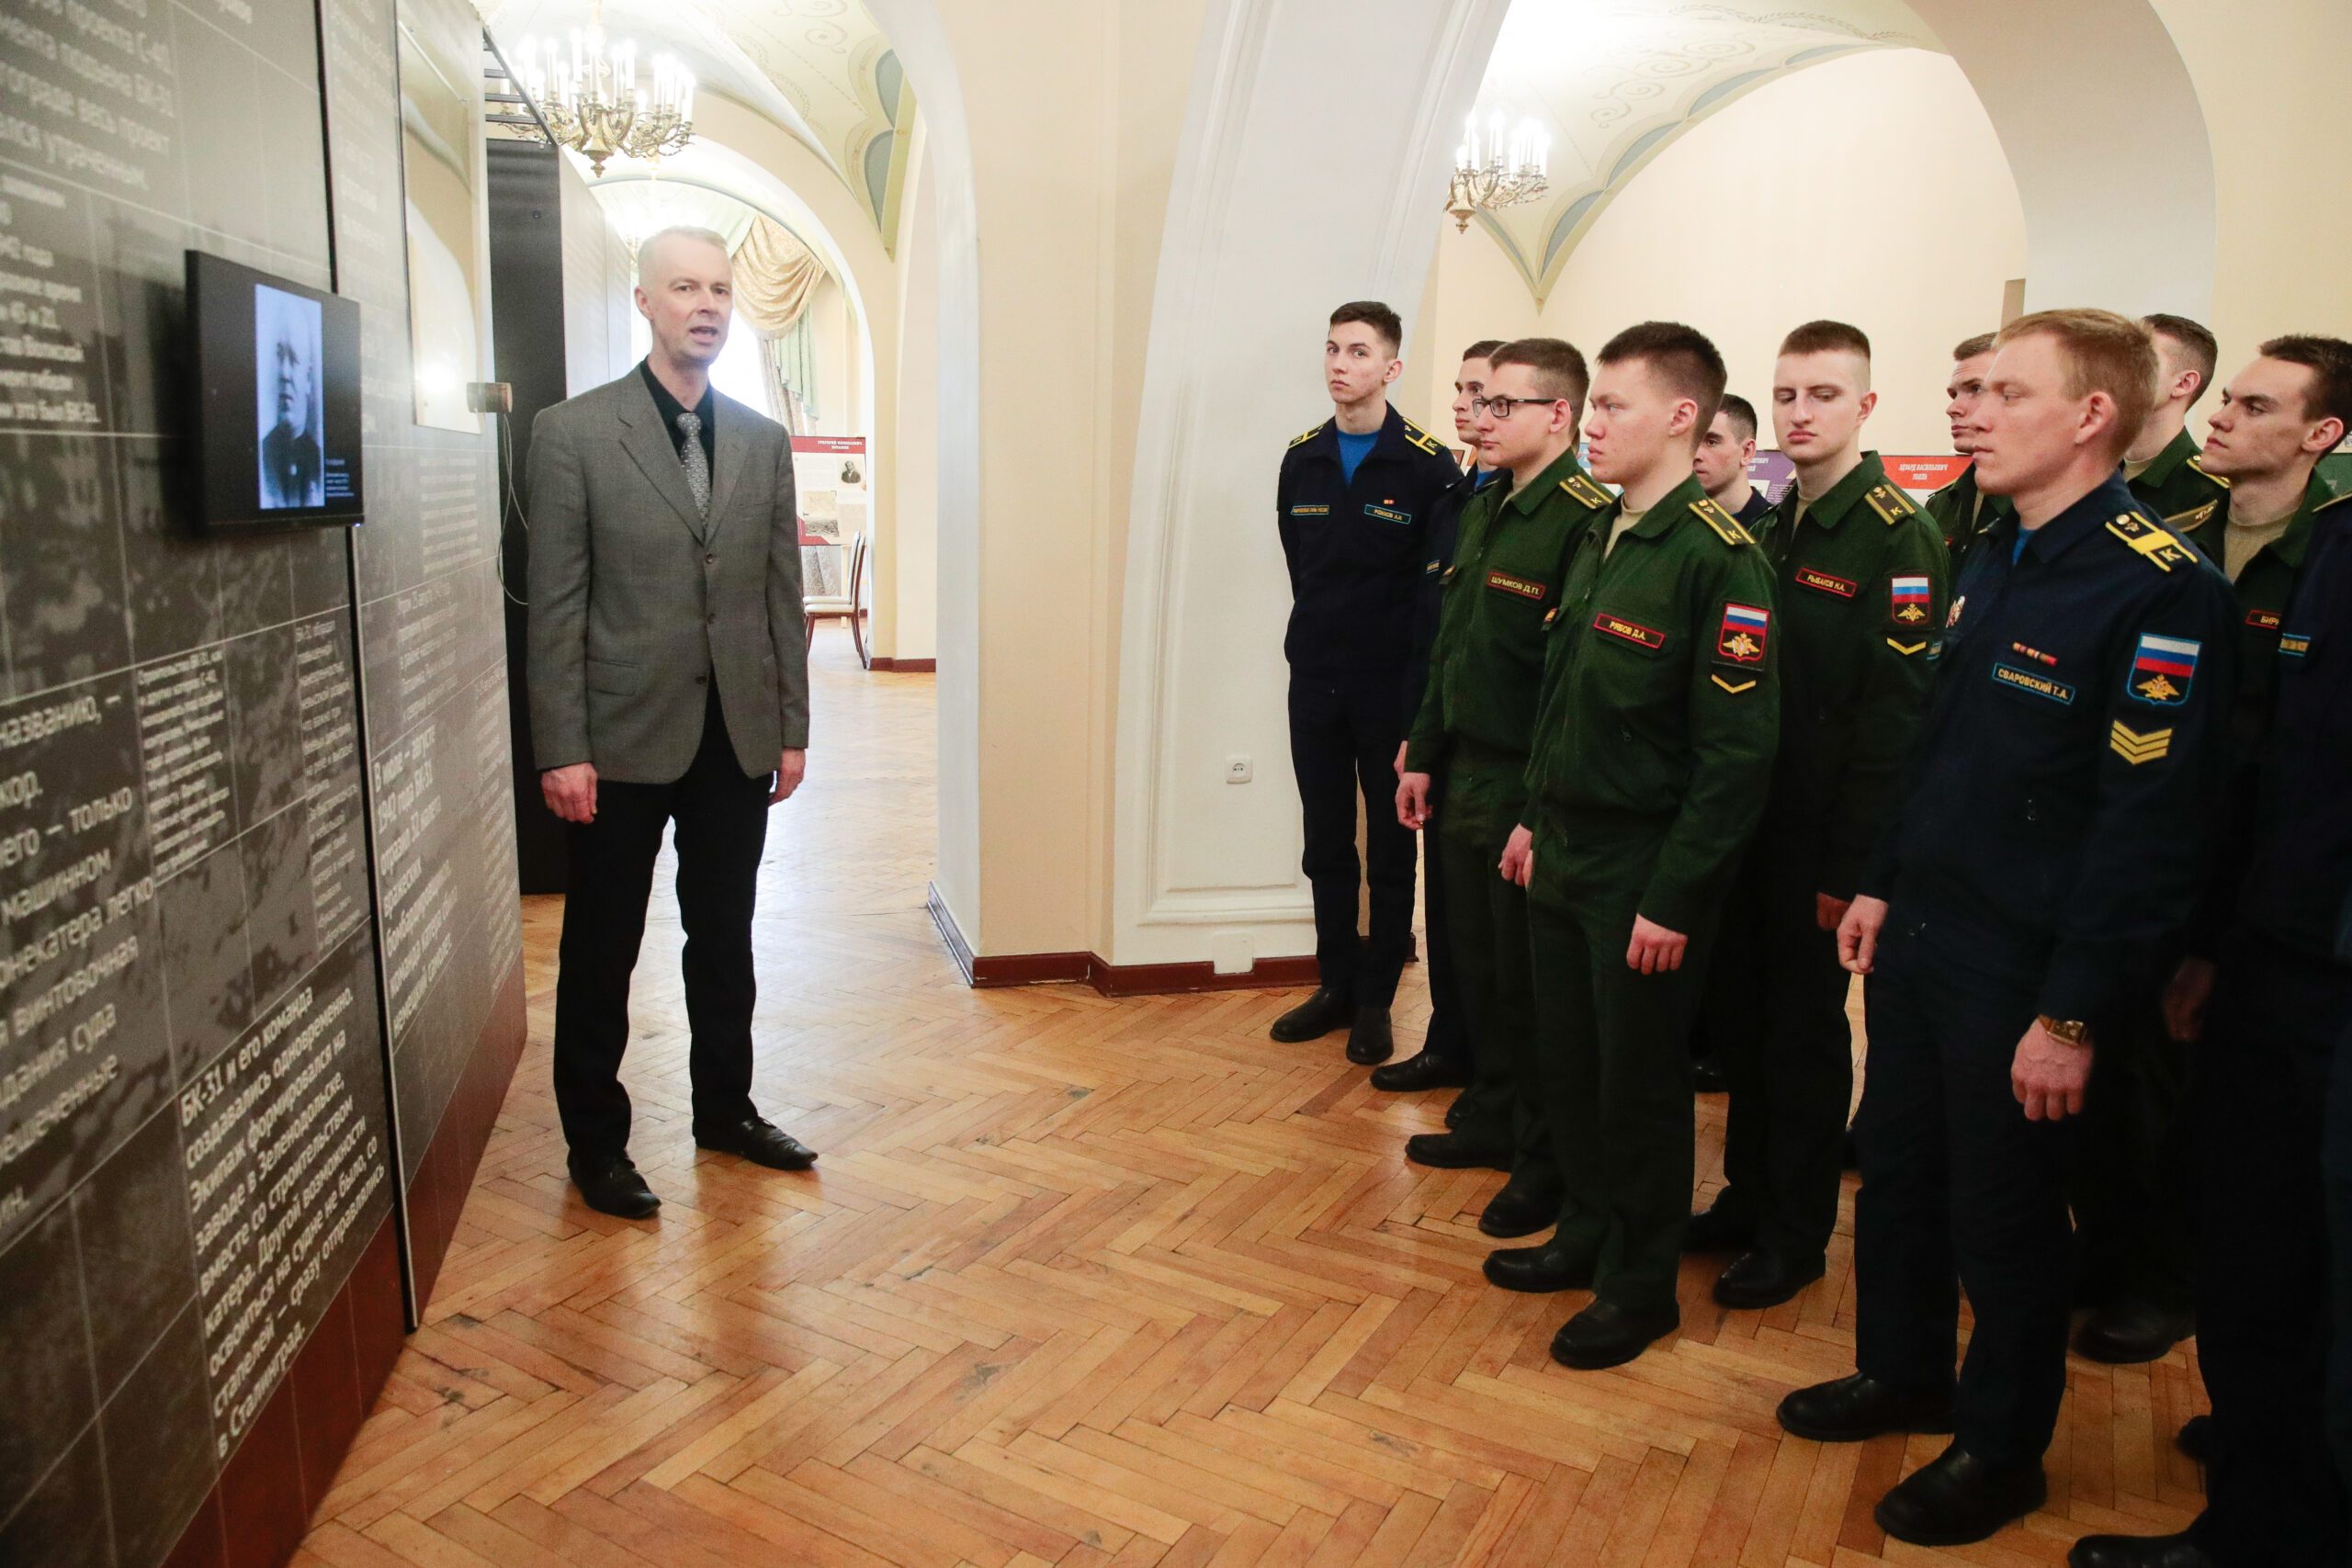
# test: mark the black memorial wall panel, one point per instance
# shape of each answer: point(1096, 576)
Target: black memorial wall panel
point(193, 1137)
point(432, 646)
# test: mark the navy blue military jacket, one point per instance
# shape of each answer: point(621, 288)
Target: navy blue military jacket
point(2298, 890)
point(1357, 551)
point(2075, 738)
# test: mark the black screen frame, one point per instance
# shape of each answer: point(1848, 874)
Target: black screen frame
point(223, 374)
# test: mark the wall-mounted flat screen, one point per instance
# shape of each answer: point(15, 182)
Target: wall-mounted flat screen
point(276, 368)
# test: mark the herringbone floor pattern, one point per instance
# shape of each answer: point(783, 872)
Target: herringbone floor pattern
point(1081, 1282)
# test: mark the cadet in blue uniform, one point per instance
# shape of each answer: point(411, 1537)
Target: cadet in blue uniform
point(1354, 504)
point(2270, 1146)
point(2037, 858)
point(1443, 1060)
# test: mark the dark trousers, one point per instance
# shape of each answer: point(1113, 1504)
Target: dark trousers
point(1790, 1065)
point(2134, 1184)
point(1448, 1037)
point(1343, 740)
point(2336, 1167)
point(2272, 1495)
point(1958, 1185)
point(1733, 999)
point(1613, 1074)
point(1499, 986)
point(722, 818)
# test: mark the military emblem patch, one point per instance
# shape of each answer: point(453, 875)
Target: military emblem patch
point(2043, 686)
point(1549, 615)
point(1742, 637)
point(1824, 582)
point(1910, 599)
point(1633, 632)
point(1504, 583)
point(2295, 645)
point(2163, 668)
point(1952, 616)
point(1734, 687)
point(1905, 649)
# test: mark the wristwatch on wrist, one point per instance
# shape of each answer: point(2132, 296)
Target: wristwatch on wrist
point(2072, 1030)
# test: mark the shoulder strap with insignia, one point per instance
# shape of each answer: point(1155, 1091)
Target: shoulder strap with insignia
point(2198, 462)
point(1419, 437)
point(2193, 518)
point(2150, 542)
point(1711, 512)
point(1891, 504)
point(1585, 493)
point(1305, 435)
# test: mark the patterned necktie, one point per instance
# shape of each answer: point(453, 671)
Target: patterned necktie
point(697, 466)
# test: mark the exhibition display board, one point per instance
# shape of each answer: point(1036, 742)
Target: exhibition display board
point(259, 944)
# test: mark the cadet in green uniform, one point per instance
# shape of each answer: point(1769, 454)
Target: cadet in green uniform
point(1859, 575)
point(1960, 509)
point(2162, 466)
point(1474, 727)
point(1653, 748)
point(2135, 1195)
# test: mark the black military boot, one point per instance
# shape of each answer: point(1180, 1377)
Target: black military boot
point(1369, 1040)
point(1318, 1015)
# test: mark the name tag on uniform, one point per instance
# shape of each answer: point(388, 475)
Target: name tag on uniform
point(2295, 645)
point(1633, 632)
point(2263, 620)
point(1823, 583)
point(2055, 691)
point(1505, 582)
point(1310, 511)
point(1387, 514)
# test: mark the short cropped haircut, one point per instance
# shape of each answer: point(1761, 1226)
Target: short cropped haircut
point(2329, 359)
point(1970, 347)
point(647, 246)
point(1483, 349)
point(1742, 415)
point(1560, 368)
point(1382, 321)
point(1680, 356)
point(2104, 353)
point(1821, 337)
point(2195, 340)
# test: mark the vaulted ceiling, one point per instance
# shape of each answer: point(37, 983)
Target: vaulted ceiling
point(1614, 81)
point(821, 69)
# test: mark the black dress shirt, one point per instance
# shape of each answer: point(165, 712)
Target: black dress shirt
point(671, 407)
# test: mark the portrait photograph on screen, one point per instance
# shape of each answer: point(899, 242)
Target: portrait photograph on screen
point(289, 400)
point(275, 368)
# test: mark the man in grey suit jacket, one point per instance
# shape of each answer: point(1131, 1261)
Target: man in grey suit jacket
point(669, 682)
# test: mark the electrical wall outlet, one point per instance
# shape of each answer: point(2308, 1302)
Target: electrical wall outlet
point(1238, 770)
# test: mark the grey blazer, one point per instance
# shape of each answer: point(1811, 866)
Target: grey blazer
point(636, 603)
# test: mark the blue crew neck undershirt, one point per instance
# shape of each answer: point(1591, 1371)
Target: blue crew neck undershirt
point(2017, 550)
point(1354, 449)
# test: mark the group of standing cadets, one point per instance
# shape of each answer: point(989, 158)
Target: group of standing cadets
point(2057, 762)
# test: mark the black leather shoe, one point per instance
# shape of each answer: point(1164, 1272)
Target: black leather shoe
point(1856, 1407)
point(1957, 1498)
point(1317, 1016)
point(1368, 1039)
point(1521, 1207)
point(613, 1187)
point(2130, 1330)
point(1455, 1110)
point(1423, 1069)
point(1606, 1334)
point(1538, 1270)
point(761, 1142)
point(1762, 1278)
point(2140, 1552)
point(1713, 1230)
point(1451, 1151)
point(1707, 1076)
point(2195, 1438)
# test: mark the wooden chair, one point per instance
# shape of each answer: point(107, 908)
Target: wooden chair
point(845, 606)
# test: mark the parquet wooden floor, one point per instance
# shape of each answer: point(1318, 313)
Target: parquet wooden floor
point(1081, 1282)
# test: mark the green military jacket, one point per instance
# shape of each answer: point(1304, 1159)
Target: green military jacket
point(1962, 522)
point(1861, 585)
point(2181, 496)
point(1660, 706)
point(1486, 670)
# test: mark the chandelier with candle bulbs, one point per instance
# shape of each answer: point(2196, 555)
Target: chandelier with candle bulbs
point(1493, 169)
point(593, 101)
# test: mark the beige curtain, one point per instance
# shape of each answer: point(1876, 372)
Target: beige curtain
point(776, 277)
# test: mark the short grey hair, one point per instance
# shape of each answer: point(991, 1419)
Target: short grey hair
point(645, 247)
